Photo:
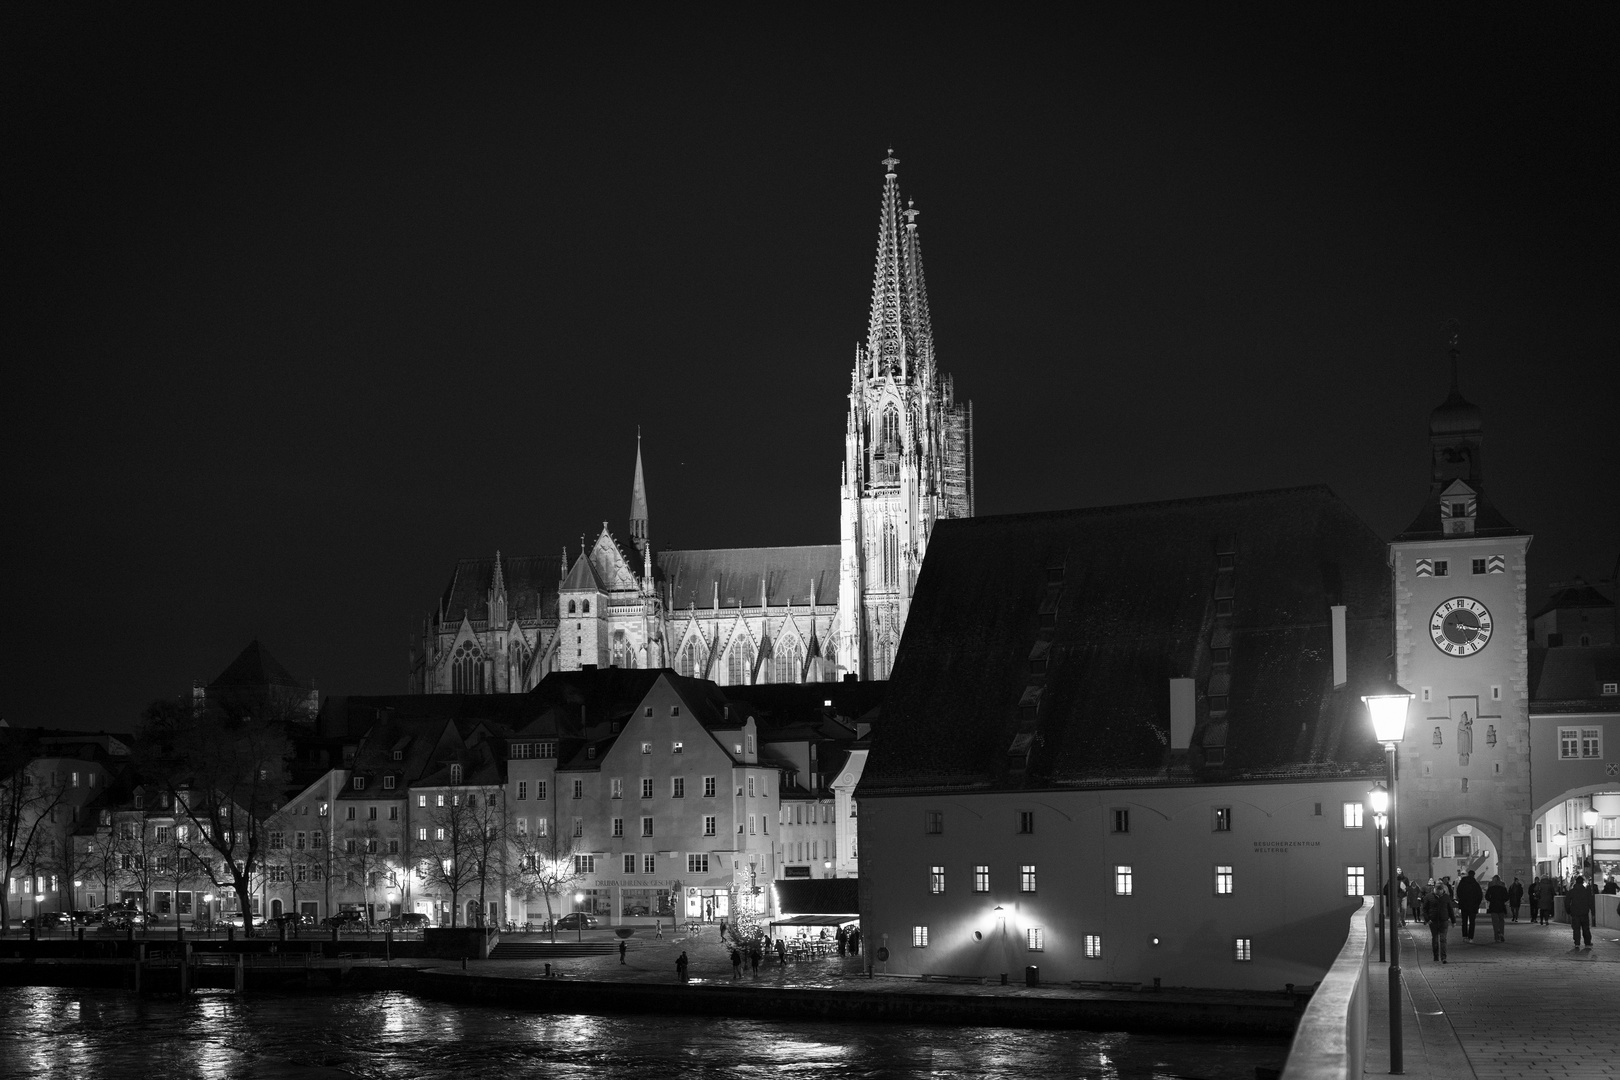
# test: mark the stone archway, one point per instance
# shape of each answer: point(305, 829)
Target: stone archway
point(1461, 845)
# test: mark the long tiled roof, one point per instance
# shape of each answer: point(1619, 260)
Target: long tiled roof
point(1581, 597)
point(531, 587)
point(1571, 675)
point(255, 668)
point(1138, 606)
point(787, 574)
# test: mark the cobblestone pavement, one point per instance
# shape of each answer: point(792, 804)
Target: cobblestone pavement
point(1531, 1006)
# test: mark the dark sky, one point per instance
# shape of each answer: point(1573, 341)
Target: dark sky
point(303, 304)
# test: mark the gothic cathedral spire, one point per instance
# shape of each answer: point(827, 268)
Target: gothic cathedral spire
point(907, 453)
point(638, 502)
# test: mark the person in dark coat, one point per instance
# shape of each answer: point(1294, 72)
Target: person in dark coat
point(1469, 897)
point(736, 963)
point(1530, 895)
point(1516, 897)
point(1578, 904)
point(622, 947)
point(680, 967)
point(1544, 898)
point(1496, 898)
point(1610, 888)
point(1439, 913)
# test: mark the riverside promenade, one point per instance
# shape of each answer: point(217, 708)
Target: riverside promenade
point(1528, 1007)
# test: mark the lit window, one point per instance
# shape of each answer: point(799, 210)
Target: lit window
point(1035, 939)
point(933, 822)
point(936, 880)
point(421, 834)
point(421, 801)
point(1093, 946)
point(1026, 878)
point(1242, 949)
point(1123, 881)
point(981, 878)
point(1223, 881)
point(676, 748)
point(1355, 881)
point(919, 937)
point(646, 748)
point(1353, 814)
point(1122, 820)
point(1223, 819)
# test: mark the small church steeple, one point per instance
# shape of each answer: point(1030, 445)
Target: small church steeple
point(638, 503)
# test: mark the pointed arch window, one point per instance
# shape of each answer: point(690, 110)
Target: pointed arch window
point(891, 555)
point(688, 663)
point(467, 669)
point(788, 661)
point(740, 665)
point(829, 663)
point(571, 608)
point(585, 607)
point(517, 661)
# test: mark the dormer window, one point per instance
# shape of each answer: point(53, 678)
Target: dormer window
point(359, 783)
point(399, 755)
point(455, 774)
point(388, 782)
point(646, 748)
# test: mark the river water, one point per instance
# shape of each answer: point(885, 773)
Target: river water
point(109, 1035)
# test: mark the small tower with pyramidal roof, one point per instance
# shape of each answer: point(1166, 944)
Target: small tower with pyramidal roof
point(1461, 647)
point(908, 449)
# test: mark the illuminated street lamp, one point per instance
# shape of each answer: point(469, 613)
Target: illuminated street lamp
point(1378, 801)
point(1589, 817)
point(1387, 709)
point(579, 924)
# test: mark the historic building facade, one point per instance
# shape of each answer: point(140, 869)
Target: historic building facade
point(742, 616)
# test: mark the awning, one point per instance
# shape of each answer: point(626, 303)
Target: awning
point(815, 920)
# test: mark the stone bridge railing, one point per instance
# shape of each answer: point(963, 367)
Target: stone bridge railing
point(1331, 1040)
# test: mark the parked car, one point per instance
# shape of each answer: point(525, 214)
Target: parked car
point(292, 920)
point(409, 920)
point(48, 920)
point(345, 921)
point(577, 920)
point(87, 918)
point(234, 918)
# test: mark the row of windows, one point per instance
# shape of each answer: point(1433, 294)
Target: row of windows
point(696, 863)
point(546, 748)
point(677, 788)
point(981, 878)
point(1576, 743)
point(1120, 817)
point(1035, 941)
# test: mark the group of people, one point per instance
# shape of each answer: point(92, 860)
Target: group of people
point(1440, 905)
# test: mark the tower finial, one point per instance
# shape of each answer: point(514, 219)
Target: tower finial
point(911, 213)
point(638, 501)
point(1453, 330)
point(890, 162)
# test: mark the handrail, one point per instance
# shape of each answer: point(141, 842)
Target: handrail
point(1331, 1040)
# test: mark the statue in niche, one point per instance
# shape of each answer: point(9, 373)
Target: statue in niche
point(1465, 738)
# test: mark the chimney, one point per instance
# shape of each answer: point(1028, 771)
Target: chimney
point(1340, 663)
point(1183, 712)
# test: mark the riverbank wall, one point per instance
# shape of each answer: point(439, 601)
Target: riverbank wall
point(1142, 1011)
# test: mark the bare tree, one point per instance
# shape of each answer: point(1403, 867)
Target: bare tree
point(227, 777)
point(26, 804)
point(449, 858)
point(135, 844)
point(99, 857)
point(362, 855)
point(547, 866)
point(488, 842)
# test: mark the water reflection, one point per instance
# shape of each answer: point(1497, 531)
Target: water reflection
point(108, 1035)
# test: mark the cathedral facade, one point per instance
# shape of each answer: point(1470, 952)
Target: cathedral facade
point(741, 616)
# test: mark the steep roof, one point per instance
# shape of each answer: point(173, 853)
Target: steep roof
point(1128, 597)
point(1580, 596)
point(1571, 678)
point(531, 587)
point(787, 574)
point(255, 668)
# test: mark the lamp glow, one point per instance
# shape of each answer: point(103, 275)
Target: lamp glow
point(1590, 817)
point(1388, 712)
point(1559, 839)
point(1378, 799)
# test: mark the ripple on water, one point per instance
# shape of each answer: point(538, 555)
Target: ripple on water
point(107, 1035)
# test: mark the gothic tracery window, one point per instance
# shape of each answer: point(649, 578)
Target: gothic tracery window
point(467, 669)
point(788, 661)
point(740, 664)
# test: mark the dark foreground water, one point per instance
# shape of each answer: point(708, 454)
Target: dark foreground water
point(108, 1035)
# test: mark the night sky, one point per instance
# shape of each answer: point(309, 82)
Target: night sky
point(304, 304)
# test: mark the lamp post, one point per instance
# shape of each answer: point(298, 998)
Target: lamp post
point(1378, 799)
point(1560, 838)
point(1589, 817)
point(1388, 712)
point(579, 923)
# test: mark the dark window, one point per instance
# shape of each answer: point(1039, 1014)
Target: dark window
point(1037, 666)
point(1223, 819)
point(1026, 821)
point(1122, 820)
point(1441, 568)
point(1225, 562)
point(934, 822)
point(1218, 703)
point(1220, 656)
point(1477, 566)
point(1223, 607)
point(1215, 755)
point(1054, 575)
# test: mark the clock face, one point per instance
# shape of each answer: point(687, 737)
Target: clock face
point(1460, 627)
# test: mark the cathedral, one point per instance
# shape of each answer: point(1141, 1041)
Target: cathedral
point(738, 616)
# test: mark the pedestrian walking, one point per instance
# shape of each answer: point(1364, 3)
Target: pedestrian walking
point(754, 957)
point(1544, 898)
point(722, 929)
point(622, 948)
point(1469, 897)
point(854, 941)
point(1439, 913)
point(1578, 905)
point(843, 941)
point(781, 951)
point(736, 963)
point(680, 967)
point(1496, 898)
point(1530, 895)
point(1516, 897)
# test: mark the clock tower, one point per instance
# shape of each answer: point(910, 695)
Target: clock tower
point(1461, 647)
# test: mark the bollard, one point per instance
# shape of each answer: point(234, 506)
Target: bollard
point(1003, 978)
point(230, 934)
point(185, 967)
point(548, 971)
point(463, 963)
point(241, 976)
point(1155, 984)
